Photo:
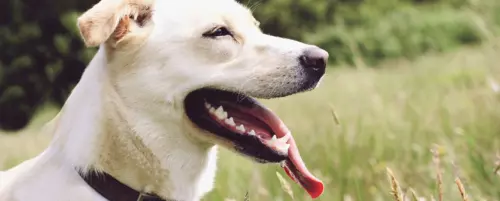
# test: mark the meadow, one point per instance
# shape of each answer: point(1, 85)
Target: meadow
point(360, 122)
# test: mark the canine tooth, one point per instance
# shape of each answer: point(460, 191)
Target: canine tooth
point(212, 110)
point(252, 132)
point(230, 121)
point(207, 105)
point(284, 139)
point(284, 148)
point(240, 128)
point(274, 139)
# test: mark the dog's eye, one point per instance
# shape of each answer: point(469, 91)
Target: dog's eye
point(221, 31)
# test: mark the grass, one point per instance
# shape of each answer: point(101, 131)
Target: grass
point(411, 194)
point(363, 125)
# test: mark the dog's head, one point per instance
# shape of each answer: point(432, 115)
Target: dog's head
point(207, 60)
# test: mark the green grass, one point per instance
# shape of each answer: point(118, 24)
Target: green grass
point(389, 117)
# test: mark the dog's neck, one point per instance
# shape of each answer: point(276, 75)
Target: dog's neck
point(98, 129)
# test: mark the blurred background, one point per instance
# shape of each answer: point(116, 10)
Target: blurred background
point(406, 77)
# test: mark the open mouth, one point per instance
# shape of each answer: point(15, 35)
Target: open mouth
point(251, 129)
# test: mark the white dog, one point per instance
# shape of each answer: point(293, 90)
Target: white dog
point(171, 80)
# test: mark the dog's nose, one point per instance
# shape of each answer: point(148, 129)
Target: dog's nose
point(314, 59)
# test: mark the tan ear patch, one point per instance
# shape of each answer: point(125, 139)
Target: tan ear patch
point(111, 19)
point(123, 26)
point(122, 29)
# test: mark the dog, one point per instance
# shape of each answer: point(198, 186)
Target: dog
point(170, 82)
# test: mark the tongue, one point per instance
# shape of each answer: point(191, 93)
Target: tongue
point(294, 166)
point(297, 171)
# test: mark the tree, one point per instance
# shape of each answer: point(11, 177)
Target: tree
point(42, 56)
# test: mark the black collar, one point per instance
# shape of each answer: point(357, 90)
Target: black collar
point(113, 190)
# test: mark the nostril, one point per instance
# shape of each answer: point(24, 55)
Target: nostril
point(314, 58)
point(305, 61)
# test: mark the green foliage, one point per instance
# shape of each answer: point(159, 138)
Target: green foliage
point(375, 30)
point(406, 32)
point(42, 56)
point(291, 18)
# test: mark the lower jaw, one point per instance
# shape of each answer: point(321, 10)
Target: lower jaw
point(250, 148)
point(207, 140)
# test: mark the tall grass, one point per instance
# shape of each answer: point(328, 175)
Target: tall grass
point(411, 195)
point(361, 122)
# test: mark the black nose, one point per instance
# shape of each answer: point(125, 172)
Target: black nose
point(314, 59)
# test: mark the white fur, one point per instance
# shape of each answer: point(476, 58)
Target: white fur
point(126, 116)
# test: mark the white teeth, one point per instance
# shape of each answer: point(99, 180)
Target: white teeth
point(252, 132)
point(230, 121)
point(240, 128)
point(220, 109)
point(280, 144)
point(284, 139)
point(220, 113)
point(283, 148)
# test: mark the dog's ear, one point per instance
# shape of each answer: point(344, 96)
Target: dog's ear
point(113, 20)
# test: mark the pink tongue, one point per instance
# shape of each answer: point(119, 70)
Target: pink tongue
point(297, 171)
point(294, 166)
